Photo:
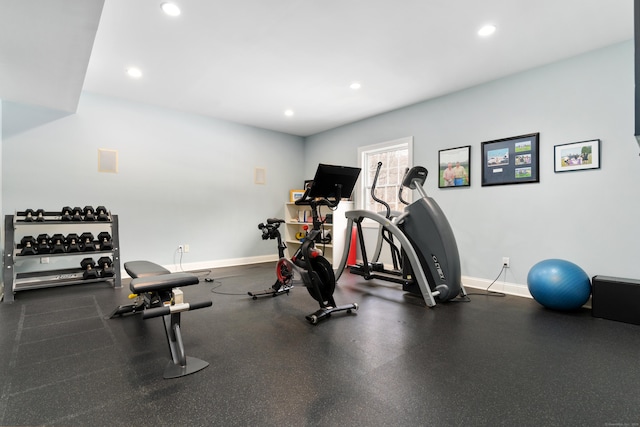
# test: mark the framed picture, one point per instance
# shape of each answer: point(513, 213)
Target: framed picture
point(295, 195)
point(454, 166)
point(512, 160)
point(577, 156)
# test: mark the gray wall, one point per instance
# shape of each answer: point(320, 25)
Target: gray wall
point(183, 178)
point(587, 217)
point(189, 179)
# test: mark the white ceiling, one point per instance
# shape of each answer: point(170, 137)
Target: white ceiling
point(249, 60)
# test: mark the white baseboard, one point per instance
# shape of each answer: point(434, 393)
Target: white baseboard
point(232, 262)
point(504, 287)
point(205, 265)
point(515, 289)
point(468, 282)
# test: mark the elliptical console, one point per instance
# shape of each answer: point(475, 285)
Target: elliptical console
point(415, 177)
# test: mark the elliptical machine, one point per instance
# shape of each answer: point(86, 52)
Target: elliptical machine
point(398, 257)
point(430, 258)
point(330, 184)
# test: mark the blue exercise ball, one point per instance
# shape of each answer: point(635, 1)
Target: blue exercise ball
point(559, 285)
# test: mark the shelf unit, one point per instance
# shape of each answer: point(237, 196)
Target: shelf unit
point(295, 217)
point(26, 272)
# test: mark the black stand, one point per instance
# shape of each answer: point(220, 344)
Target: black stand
point(277, 289)
point(270, 231)
point(325, 312)
point(181, 364)
point(157, 293)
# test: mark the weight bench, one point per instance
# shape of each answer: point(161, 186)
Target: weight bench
point(157, 293)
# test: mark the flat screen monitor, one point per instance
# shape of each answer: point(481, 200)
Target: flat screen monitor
point(328, 177)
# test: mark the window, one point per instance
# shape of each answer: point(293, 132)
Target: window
point(396, 156)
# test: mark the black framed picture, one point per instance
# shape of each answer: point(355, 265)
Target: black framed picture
point(512, 160)
point(577, 156)
point(455, 167)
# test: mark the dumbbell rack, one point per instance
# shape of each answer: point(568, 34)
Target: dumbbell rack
point(19, 272)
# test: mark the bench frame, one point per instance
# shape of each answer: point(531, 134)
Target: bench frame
point(157, 293)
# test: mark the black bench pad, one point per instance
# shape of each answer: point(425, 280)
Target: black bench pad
point(144, 269)
point(162, 282)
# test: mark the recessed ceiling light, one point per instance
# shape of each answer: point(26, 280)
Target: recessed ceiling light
point(288, 113)
point(134, 72)
point(355, 85)
point(487, 30)
point(170, 9)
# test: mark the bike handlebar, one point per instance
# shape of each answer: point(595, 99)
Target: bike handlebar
point(320, 201)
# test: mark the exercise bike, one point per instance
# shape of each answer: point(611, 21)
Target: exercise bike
point(270, 230)
point(330, 184)
point(429, 253)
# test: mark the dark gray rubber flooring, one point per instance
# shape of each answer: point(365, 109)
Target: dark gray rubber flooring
point(489, 361)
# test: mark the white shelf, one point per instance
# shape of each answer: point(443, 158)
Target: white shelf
point(332, 251)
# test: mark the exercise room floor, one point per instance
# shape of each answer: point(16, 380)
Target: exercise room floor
point(489, 361)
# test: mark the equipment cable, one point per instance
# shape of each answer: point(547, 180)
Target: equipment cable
point(490, 293)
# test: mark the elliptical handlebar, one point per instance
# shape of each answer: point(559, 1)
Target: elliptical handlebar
point(373, 192)
point(402, 188)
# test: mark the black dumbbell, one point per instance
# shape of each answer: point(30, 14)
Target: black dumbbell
point(86, 242)
point(40, 215)
point(28, 244)
point(29, 215)
point(44, 244)
point(106, 267)
point(102, 213)
point(89, 267)
point(89, 213)
point(73, 243)
point(105, 241)
point(57, 244)
point(76, 214)
point(66, 213)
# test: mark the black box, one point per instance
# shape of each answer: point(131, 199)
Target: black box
point(614, 298)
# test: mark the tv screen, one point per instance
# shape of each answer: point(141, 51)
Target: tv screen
point(328, 177)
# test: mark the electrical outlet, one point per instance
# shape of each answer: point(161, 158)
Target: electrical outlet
point(505, 262)
point(180, 248)
point(186, 248)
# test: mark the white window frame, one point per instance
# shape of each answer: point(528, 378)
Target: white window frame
point(363, 187)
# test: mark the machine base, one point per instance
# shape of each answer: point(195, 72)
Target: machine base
point(192, 365)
